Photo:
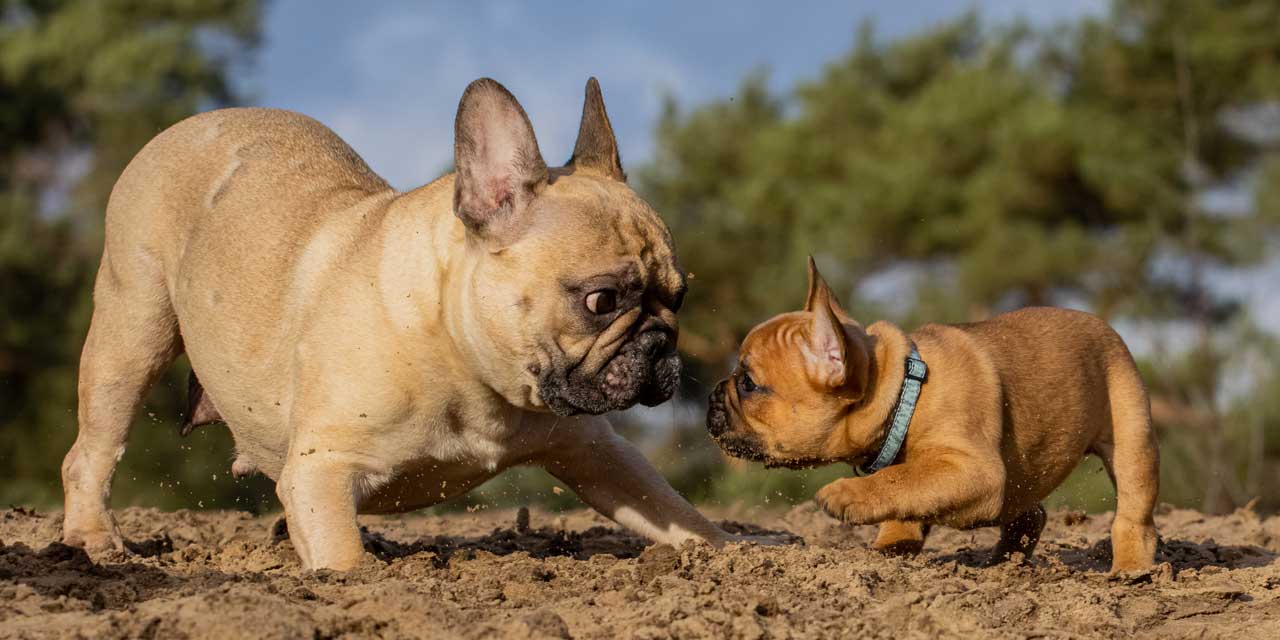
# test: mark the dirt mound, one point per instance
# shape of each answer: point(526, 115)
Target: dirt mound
point(575, 575)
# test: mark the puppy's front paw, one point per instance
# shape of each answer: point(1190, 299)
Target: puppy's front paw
point(840, 500)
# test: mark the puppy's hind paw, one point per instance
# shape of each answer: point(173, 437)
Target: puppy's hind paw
point(900, 547)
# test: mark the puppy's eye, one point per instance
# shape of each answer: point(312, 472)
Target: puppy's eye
point(602, 301)
point(746, 384)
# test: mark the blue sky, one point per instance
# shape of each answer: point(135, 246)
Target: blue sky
point(387, 75)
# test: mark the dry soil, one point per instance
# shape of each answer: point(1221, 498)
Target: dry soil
point(575, 575)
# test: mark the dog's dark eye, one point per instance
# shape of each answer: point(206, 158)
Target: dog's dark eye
point(746, 384)
point(602, 301)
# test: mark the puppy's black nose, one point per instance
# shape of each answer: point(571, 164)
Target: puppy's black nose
point(717, 415)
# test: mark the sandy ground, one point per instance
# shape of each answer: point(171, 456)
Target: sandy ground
point(482, 575)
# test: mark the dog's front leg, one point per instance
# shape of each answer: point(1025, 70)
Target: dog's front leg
point(611, 476)
point(317, 490)
point(955, 489)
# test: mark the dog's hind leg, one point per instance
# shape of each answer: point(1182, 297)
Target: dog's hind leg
point(897, 537)
point(1019, 535)
point(133, 337)
point(1130, 454)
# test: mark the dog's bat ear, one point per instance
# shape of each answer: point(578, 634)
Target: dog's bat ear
point(826, 354)
point(817, 289)
point(819, 285)
point(833, 358)
point(597, 148)
point(499, 166)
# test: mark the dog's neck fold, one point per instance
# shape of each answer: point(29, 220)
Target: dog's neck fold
point(863, 429)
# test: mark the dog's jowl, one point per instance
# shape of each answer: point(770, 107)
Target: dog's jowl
point(959, 425)
point(372, 350)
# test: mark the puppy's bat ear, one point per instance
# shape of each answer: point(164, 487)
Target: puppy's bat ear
point(819, 285)
point(597, 148)
point(816, 283)
point(835, 358)
point(499, 166)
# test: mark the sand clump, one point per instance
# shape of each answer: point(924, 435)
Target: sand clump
point(220, 574)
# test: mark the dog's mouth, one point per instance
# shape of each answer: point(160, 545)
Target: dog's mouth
point(741, 446)
point(795, 463)
point(645, 370)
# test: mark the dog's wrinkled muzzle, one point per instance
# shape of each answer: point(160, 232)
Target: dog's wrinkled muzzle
point(646, 370)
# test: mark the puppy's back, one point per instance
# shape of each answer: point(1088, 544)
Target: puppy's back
point(1047, 349)
point(1037, 337)
point(1056, 369)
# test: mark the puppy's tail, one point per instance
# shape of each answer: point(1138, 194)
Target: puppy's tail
point(1132, 457)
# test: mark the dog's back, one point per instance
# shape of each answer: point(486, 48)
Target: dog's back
point(1058, 367)
point(1068, 387)
point(213, 233)
point(232, 176)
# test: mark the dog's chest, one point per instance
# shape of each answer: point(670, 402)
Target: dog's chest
point(443, 466)
point(427, 461)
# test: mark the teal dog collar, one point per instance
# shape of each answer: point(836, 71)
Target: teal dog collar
point(900, 417)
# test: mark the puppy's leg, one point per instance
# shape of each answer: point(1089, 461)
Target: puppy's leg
point(1019, 535)
point(318, 493)
point(896, 537)
point(1130, 454)
point(953, 488)
point(611, 476)
point(133, 336)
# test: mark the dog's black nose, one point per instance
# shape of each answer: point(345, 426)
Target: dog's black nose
point(717, 416)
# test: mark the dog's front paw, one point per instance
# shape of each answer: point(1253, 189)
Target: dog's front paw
point(95, 542)
point(840, 500)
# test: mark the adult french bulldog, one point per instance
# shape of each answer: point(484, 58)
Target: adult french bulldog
point(377, 351)
point(960, 425)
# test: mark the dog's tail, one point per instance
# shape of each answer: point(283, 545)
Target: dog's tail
point(1132, 458)
point(200, 409)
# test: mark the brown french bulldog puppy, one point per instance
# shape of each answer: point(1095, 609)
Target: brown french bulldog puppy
point(1003, 411)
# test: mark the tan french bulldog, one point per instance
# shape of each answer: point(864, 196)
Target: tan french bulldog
point(378, 351)
point(1003, 411)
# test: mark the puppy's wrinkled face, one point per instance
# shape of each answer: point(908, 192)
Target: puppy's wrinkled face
point(798, 376)
point(585, 302)
point(770, 410)
point(571, 280)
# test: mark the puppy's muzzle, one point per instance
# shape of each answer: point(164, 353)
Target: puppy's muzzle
point(734, 443)
point(717, 414)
